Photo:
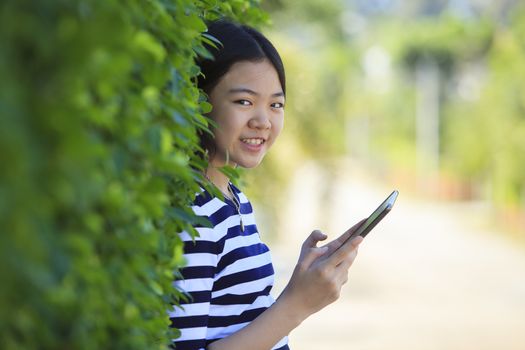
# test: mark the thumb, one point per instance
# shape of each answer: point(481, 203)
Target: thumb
point(309, 250)
point(313, 238)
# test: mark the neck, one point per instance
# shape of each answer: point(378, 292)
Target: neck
point(217, 178)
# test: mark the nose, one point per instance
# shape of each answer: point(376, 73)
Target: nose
point(260, 120)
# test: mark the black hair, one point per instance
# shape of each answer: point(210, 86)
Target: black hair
point(237, 43)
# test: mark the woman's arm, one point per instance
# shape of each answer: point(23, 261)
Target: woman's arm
point(316, 282)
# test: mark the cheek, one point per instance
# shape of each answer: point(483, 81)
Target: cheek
point(219, 115)
point(228, 126)
point(277, 126)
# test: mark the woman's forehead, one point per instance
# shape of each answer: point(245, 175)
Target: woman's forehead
point(251, 75)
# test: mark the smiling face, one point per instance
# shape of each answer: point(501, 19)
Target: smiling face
point(248, 107)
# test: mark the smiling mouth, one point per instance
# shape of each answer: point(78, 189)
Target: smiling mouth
point(254, 141)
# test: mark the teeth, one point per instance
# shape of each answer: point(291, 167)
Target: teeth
point(253, 141)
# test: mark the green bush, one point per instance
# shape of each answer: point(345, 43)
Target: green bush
point(98, 143)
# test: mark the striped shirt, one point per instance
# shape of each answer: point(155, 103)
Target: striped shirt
point(229, 275)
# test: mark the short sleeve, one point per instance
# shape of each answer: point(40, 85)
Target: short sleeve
point(192, 317)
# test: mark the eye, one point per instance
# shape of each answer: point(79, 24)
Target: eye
point(277, 105)
point(243, 102)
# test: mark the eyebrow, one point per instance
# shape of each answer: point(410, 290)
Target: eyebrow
point(251, 92)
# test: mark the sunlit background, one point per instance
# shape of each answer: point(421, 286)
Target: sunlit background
point(98, 124)
point(427, 97)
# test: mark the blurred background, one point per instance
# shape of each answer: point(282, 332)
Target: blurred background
point(427, 97)
point(98, 164)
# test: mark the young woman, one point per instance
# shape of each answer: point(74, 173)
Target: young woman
point(229, 272)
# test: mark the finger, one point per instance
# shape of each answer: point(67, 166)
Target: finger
point(310, 256)
point(313, 238)
point(311, 242)
point(347, 262)
point(344, 237)
point(344, 278)
point(335, 244)
point(345, 250)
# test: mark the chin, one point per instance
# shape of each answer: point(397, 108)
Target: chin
point(250, 164)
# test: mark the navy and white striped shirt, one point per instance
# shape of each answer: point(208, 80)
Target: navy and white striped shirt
point(229, 275)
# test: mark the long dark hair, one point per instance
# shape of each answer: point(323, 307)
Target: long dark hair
point(237, 43)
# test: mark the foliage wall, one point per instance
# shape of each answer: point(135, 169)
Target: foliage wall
point(98, 144)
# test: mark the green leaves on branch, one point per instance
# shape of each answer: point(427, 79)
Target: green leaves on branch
point(98, 131)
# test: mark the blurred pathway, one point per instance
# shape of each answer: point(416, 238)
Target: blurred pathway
point(430, 276)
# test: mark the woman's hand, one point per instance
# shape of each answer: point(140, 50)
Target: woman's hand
point(315, 283)
point(320, 273)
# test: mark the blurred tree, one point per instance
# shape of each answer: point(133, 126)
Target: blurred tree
point(492, 152)
point(352, 69)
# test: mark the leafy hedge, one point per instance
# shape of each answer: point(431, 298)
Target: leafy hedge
point(98, 144)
